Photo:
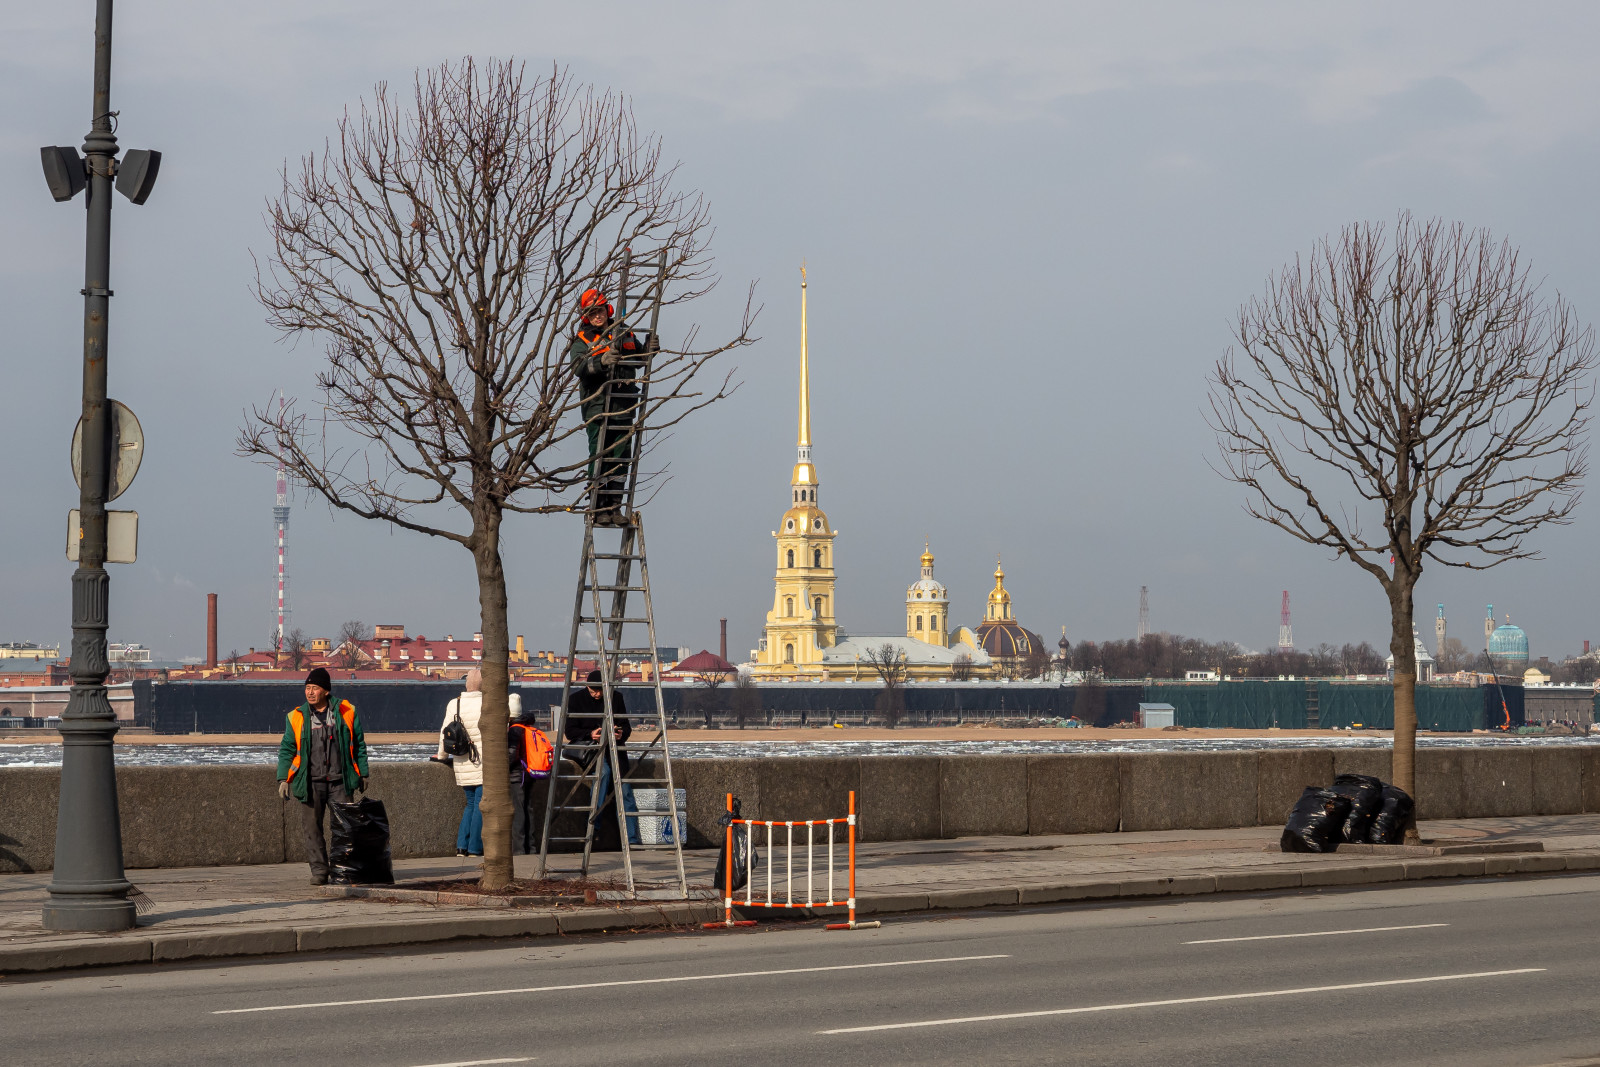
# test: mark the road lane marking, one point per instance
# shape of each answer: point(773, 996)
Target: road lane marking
point(1179, 1000)
point(604, 985)
point(1319, 933)
point(481, 1063)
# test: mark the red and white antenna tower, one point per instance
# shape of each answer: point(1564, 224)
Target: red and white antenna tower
point(280, 515)
point(1285, 631)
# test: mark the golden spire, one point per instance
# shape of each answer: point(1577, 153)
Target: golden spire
point(805, 475)
point(927, 554)
point(805, 375)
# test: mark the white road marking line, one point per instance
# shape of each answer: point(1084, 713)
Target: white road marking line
point(1319, 933)
point(604, 985)
point(480, 1063)
point(1180, 1000)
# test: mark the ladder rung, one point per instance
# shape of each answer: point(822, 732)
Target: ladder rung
point(613, 618)
point(617, 555)
point(615, 588)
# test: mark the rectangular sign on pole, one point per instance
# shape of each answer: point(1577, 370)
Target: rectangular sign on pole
point(122, 536)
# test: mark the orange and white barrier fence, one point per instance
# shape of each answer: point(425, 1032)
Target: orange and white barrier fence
point(806, 891)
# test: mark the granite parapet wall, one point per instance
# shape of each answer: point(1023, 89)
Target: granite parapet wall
point(225, 815)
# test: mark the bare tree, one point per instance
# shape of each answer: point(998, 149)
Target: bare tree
point(890, 663)
point(438, 249)
point(1453, 657)
point(295, 650)
point(233, 661)
point(1037, 662)
point(708, 693)
point(961, 667)
point(347, 647)
point(1404, 397)
point(746, 699)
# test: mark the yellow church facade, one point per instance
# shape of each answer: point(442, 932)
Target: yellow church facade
point(802, 625)
point(801, 638)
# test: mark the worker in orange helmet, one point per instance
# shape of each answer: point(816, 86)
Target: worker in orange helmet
point(597, 362)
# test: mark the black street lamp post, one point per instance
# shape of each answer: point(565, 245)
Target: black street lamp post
point(88, 890)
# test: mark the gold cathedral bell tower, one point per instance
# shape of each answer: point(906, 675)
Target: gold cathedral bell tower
point(802, 622)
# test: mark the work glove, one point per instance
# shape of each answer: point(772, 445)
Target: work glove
point(654, 345)
point(283, 790)
point(610, 359)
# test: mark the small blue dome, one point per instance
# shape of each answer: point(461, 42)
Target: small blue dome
point(1508, 649)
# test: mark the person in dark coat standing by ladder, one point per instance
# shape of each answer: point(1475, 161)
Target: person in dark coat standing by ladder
point(585, 725)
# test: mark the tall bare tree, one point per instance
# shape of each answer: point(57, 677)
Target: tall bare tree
point(437, 248)
point(1404, 396)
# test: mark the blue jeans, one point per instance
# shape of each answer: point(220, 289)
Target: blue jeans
point(470, 836)
point(628, 804)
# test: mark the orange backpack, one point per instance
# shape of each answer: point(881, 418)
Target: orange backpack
point(535, 751)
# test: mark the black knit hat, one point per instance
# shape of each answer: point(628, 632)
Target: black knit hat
point(319, 676)
point(594, 678)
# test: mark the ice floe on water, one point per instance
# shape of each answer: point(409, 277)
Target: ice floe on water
point(184, 754)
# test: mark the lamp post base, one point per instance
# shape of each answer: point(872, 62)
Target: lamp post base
point(92, 907)
point(89, 889)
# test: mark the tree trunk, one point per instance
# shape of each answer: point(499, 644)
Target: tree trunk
point(496, 805)
point(1402, 645)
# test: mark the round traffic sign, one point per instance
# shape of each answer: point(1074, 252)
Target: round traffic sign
point(127, 449)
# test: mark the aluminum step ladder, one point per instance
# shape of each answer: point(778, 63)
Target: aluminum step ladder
point(614, 580)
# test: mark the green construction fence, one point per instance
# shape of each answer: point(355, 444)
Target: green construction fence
point(1260, 705)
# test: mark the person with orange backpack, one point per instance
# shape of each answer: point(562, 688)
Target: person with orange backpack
point(322, 758)
point(531, 755)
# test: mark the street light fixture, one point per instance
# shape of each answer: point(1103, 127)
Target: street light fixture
point(89, 888)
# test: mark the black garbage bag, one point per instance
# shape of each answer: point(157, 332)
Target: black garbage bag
point(1389, 825)
point(1366, 800)
point(744, 860)
point(1316, 821)
point(360, 852)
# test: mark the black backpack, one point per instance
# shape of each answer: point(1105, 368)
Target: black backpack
point(457, 741)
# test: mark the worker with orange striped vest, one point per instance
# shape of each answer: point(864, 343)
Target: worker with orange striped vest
point(321, 759)
point(596, 360)
point(530, 759)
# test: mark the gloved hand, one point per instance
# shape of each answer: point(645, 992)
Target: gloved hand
point(610, 359)
point(283, 790)
point(654, 345)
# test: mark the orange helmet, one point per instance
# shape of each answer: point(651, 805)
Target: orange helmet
point(590, 299)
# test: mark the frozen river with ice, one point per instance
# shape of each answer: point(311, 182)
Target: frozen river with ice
point(187, 754)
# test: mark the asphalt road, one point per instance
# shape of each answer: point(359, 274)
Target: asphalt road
point(1495, 972)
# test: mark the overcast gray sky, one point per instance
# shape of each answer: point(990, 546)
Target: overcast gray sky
point(1028, 228)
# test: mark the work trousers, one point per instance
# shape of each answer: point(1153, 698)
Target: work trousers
point(311, 818)
point(612, 478)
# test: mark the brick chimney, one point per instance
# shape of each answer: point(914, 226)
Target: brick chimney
point(722, 646)
point(211, 631)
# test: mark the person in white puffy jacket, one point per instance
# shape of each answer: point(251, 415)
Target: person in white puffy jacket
point(469, 771)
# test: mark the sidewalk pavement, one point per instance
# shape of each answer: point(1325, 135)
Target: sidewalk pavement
point(267, 910)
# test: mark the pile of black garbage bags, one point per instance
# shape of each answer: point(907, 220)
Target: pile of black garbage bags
point(1356, 809)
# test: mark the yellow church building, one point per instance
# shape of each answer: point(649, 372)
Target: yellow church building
point(802, 638)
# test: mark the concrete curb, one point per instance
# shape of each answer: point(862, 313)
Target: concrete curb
point(155, 947)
